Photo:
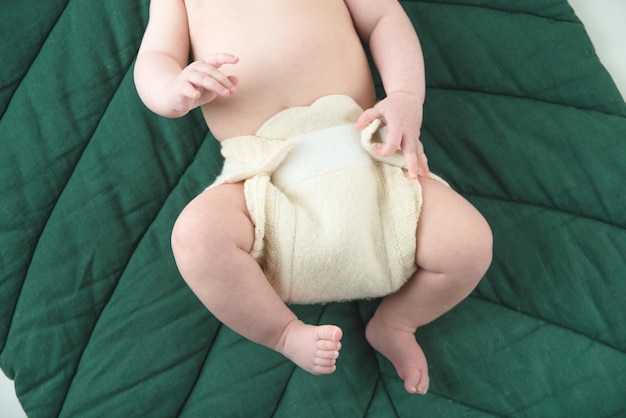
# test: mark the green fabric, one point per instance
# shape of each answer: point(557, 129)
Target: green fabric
point(95, 320)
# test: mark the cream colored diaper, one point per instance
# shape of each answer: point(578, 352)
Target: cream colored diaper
point(333, 221)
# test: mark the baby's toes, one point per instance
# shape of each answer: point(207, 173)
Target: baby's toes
point(325, 362)
point(417, 382)
point(329, 332)
point(324, 365)
point(327, 345)
point(327, 354)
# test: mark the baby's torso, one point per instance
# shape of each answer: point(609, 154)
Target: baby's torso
point(291, 52)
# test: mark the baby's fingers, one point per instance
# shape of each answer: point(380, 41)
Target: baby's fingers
point(422, 164)
point(411, 161)
point(219, 59)
point(367, 117)
point(391, 143)
point(188, 90)
point(209, 78)
point(415, 158)
point(412, 151)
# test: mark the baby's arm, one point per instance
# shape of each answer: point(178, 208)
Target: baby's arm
point(397, 53)
point(164, 80)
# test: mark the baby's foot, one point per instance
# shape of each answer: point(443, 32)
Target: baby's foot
point(314, 348)
point(400, 347)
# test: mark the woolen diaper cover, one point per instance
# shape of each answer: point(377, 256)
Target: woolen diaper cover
point(333, 221)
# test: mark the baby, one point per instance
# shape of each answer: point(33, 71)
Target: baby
point(275, 80)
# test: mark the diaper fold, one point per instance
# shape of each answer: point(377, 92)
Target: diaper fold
point(347, 233)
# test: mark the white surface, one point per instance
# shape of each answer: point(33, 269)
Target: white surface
point(9, 405)
point(604, 21)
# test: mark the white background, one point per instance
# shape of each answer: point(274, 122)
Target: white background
point(604, 20)
point(605, 24)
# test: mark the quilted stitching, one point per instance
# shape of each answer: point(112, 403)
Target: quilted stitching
point(94, 319)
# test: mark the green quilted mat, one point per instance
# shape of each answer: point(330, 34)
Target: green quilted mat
point(95, 320)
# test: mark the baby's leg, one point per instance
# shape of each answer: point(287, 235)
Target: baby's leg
point(211, 242)
point(454, 245)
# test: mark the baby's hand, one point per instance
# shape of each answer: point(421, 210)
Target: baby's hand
point(202, 81)
point(401, 112)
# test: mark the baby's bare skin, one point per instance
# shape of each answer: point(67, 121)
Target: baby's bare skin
point(252, 59)
point(299, 51)
point(283, 53)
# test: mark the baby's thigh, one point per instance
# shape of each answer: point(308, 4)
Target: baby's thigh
point(217, 216)
point(450, 230)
